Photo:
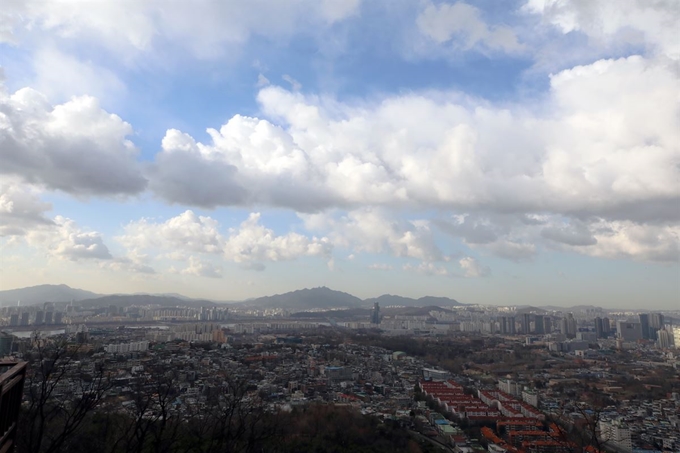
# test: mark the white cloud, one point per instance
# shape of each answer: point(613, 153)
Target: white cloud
point(126, 264)
point(380, 267)
point(75, 147)
point(462, 26)
point(186, 232)
point(604, 143)
point(68, 241)
point(61, 76)
point(427, 269)
point(473, 268)
point(254, 243)
point(21, 209)
point(638, 22)
point(205, 28)
point(575, 234)
point(373, 231)
point(201, 268)
point(262, 81)
point(294, 84)
point(621, 240)
point(251, 244)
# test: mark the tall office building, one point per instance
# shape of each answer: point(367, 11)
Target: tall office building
point(39, 317)
point(599, 330)
point(644, 325)
point(59, 317)
point(24, 319)
point(14, 319)
point(49, 317)
point(629, 331)
point(375, 316)
point(526, 323)
point(606, 326)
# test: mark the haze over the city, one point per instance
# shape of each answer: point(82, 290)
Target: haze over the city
point(523, 152)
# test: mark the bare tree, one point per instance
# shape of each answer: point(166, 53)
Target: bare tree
point(582, 430)
point(60, 393)
point(234, 420)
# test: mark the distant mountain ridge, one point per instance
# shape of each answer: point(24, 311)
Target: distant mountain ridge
point(44, 293)
point(303, 299)
point(388, 299)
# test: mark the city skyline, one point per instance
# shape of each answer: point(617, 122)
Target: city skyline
point(524, 153)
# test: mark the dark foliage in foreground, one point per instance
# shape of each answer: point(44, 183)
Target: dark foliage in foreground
point(58, 416)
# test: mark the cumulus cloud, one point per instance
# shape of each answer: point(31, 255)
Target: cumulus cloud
point(126, 264)
point(427, 269)
point(638, 22)
point(21, 209)
point(68, 241)
point(574, 234)
point(251, 244)
point(474, 229)
point(473, 268)
point(374, 231)
point(75, 147)
point(605, 144)
point(202, 268)
point(204, 28)
point(186, 232)
point(623, 240)
point(254, 243)
point(462, 26)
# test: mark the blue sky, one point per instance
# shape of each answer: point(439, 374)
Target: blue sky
point(495, 152)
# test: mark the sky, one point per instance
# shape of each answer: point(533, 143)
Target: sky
point(516, 152)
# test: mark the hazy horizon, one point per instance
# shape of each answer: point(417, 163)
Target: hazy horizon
point(515, 153)
point(648, 308)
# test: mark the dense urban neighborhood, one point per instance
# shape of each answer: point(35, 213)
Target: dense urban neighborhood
point(458, 378)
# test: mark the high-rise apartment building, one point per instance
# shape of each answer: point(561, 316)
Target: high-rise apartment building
point(656, 323)
point(507, 325)
point(547, 324)
point(539, 325)
point(665, 339)
point(568, 326)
